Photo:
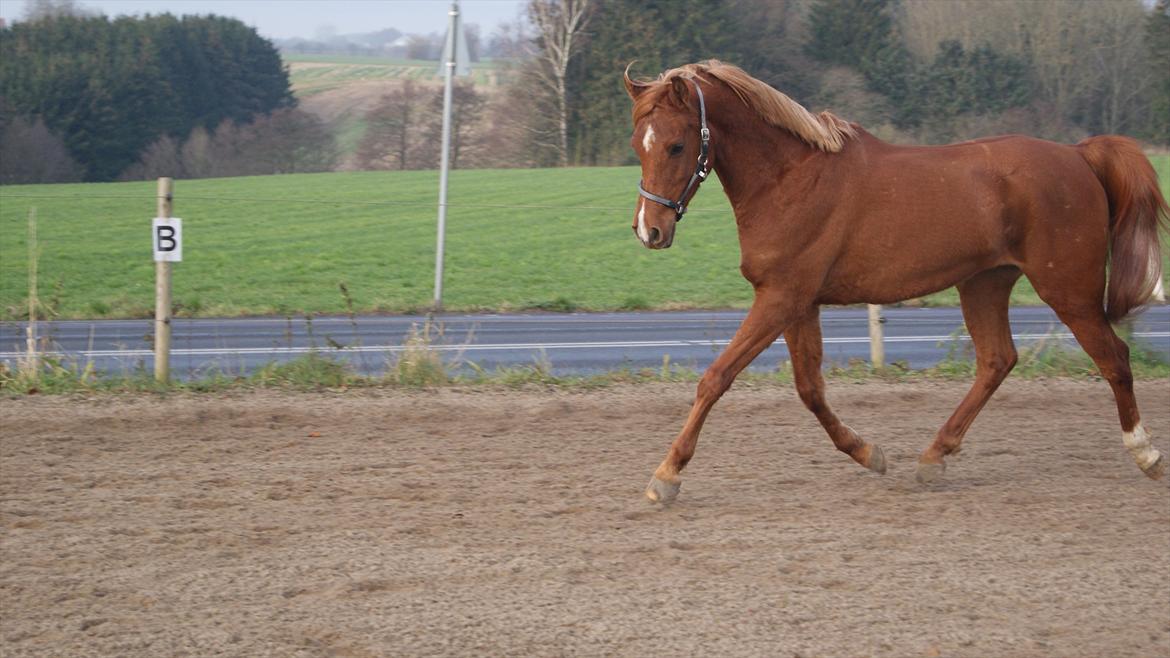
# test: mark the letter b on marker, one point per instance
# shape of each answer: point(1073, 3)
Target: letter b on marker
point(168, 239)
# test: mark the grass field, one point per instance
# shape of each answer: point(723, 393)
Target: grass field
point(555, 239)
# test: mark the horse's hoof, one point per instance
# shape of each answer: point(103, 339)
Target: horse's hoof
point(877, 459)
point(663, 492)
point(928, 472)
point(1156, 470)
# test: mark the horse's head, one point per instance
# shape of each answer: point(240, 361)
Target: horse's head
point(672, 141)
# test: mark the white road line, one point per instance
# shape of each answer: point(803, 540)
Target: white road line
point(489, 347)
point(896, 316)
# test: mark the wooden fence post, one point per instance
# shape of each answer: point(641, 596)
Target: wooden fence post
point(877, 351)
point(162, 294)
point(32, 363)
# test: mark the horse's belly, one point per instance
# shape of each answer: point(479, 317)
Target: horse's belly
point(883, 280)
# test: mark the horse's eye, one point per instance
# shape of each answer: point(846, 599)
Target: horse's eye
point(676, 149)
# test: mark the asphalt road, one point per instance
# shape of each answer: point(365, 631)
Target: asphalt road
point(568, 343)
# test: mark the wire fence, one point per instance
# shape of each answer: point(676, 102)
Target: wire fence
point(337, 202)
point(324, 245)
point(348, 251)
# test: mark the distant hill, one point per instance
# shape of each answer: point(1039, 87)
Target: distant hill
point(369, 43)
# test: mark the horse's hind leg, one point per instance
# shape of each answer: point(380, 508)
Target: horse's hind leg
point(984, 298)
point(1085, 316)
point(806, 349)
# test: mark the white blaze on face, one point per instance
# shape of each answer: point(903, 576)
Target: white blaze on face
point(1138, 444)
point(648, 138)
point(643, 234)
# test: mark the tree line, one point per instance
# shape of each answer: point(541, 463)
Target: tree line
point(105, 91)
point(89, 98)
point(907, 71)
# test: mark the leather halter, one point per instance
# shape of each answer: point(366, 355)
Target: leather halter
point(701, 169)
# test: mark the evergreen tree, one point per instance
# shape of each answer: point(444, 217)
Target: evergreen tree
point(981, 81)
point(767, 37)
point(942, 88)
point(658, 34)
point(996, 81)
point(1158, 42)
point(860, 34)
point(849, 32)
point(112, 87)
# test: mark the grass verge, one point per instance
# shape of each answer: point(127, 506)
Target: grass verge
point(419, 366)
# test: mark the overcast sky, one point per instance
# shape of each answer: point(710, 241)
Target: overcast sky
point(304, 18)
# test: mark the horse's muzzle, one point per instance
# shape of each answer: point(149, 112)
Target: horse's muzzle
point(655, 238)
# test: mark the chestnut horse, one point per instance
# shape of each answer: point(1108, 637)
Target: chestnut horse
point(829, 214)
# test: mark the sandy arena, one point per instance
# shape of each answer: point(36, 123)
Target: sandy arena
point(464, 522)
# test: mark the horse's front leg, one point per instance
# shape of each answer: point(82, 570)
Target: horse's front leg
point(764, 322)
point(806, 349)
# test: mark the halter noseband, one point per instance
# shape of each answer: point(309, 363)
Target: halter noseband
point(701, 170)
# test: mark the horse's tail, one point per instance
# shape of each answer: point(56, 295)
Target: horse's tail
point(1136, 213)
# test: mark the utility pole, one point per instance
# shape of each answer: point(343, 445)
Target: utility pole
point(455, 61)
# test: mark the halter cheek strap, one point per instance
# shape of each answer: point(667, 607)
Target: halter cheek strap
point(701, 167)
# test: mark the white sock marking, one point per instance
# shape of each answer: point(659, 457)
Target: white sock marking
point(1138, 444)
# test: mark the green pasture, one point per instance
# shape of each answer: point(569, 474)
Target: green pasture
point(555, 239)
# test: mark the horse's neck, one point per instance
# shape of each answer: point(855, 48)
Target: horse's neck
point(751, 155)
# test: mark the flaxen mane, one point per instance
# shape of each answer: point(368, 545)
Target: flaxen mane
point(825, 131)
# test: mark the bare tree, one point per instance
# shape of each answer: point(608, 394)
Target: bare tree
point(286, 141)
point(1119, 57)
point(197, 155)
point(474, 38)
point(37, 10)
point(467, 108)
point(162, 158)
point(31, 153)
point(519, 133)
point(419, 46)
point(391, 133)
point(1087, 56)
point(559, 24)
point(283, 142)
point(507, 42)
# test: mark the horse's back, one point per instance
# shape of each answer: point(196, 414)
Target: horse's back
point(999, 187)
point(959, 209)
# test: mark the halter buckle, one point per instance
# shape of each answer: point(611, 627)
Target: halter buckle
point(705, 134)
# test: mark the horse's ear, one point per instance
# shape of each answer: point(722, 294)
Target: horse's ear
point(680, 91)
point(633, 87)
